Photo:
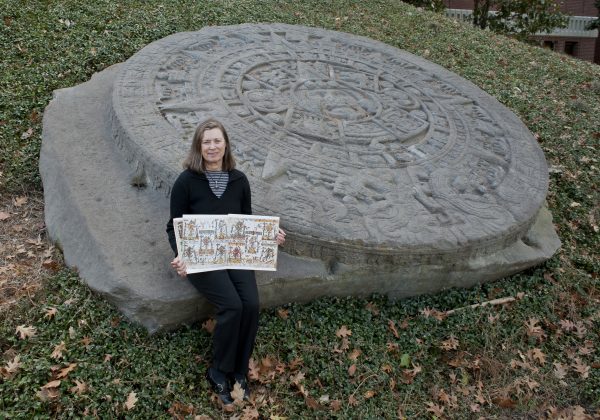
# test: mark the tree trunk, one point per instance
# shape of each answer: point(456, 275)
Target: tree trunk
point(481, 9)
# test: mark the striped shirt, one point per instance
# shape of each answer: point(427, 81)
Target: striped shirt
point(218, 181)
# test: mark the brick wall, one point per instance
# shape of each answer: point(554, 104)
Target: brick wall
point(585, 48)
point(459, 4)
point(579, 7)
point(571, 7)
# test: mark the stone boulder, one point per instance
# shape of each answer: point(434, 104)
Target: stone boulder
point(389, 173)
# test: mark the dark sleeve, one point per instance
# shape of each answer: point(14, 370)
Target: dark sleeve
point(179, 207)
point(247, 198)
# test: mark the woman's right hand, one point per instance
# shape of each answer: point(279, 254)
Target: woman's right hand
point(179, 266)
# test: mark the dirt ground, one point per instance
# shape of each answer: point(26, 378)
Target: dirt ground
point(26, 255)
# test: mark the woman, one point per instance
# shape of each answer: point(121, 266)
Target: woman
point(210, 184)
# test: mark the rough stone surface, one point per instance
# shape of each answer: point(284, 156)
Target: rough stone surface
point(390, 174)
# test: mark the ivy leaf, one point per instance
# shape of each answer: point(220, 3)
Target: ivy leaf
point(405, 360)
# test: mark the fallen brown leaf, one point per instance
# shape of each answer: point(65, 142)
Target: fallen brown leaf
point(57, 353)
point(560, 370)
point(504, 402)
point(209, 325)
point(354, 354)
point(435, 409)
point(79, 388)
point(297, 378)
point(449, 344)
point(283, 313)
point(64, 372)
point(253, 370)
point(27, 134)
point(52, 384)
point(311, 403)
point(19, 201)
point(371, 307)
point(50, 312)
point(369, 394)
point(581, 368)
point(336, 405)
point(237, 393)
point(26, 332)
point(4, 216)
point(352, 370)
point(131, 401)
point(11, 368)
point(343, 332)
point(534, 330)
point(250, 413)
point(537, 354)
point(392, 327)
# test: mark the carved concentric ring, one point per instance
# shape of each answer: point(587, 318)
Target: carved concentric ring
point(367, 153)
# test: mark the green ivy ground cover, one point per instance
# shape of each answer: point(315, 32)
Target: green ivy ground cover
point(534, 357)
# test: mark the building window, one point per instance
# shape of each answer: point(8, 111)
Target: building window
point(549, 45)
point(570, 47)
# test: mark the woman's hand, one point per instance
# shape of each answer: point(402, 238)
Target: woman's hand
point(179, 266)
point(280, 237)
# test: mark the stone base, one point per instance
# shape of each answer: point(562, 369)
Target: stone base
point(114, 232)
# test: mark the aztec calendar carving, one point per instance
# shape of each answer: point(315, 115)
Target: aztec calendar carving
point(366, 152)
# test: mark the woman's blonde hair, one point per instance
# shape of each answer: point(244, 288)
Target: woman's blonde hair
point(194, 160)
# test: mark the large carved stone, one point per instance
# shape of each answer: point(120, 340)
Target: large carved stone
point(390, 174)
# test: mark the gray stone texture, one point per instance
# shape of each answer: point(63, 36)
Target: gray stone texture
point(390, 173)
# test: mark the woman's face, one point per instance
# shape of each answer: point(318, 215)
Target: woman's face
point(213, 149)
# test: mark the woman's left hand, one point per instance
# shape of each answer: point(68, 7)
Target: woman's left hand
point(280, 237)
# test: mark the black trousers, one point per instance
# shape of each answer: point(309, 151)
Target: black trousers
point(235, 296)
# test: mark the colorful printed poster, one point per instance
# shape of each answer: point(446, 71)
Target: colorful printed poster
point(233, 241)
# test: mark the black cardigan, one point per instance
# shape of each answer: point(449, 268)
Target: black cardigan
point(191, 194)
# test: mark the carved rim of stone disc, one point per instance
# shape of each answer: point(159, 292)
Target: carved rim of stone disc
point(472, 192)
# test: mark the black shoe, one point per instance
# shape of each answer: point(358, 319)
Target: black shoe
point(240, 379)
point(218, 383)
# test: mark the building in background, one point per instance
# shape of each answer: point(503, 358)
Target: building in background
point(573, 40)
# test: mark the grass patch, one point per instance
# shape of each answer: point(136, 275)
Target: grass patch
point(532, 357)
